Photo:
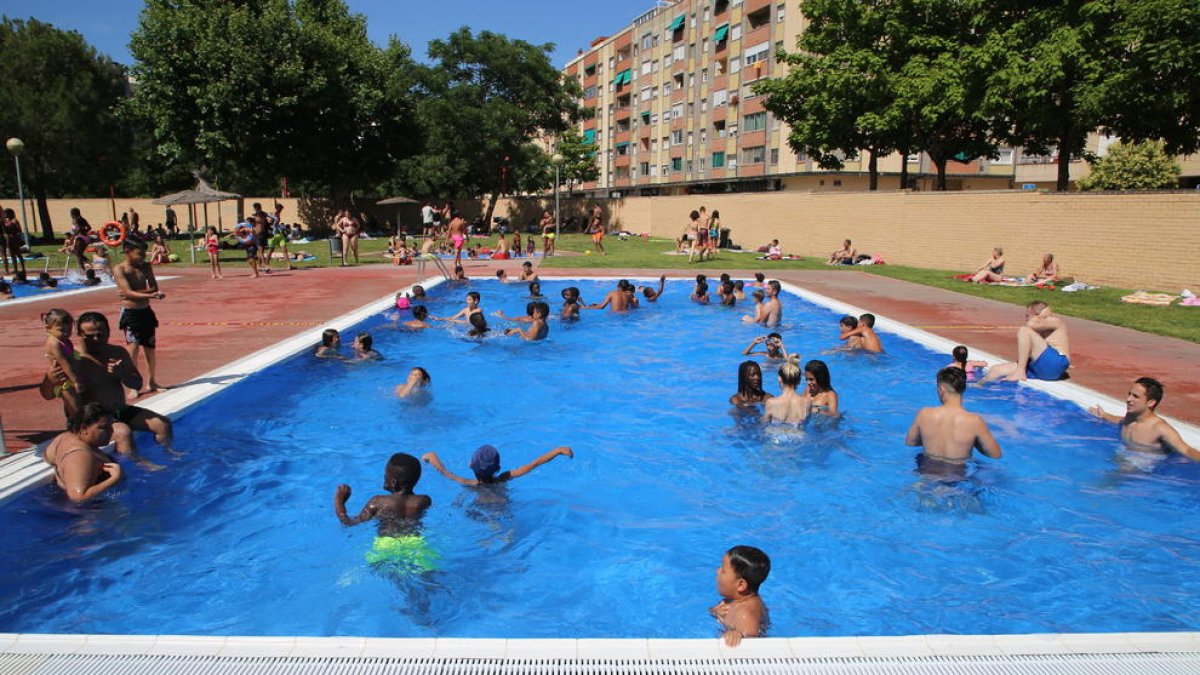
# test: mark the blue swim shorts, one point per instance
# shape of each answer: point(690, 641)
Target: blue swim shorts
point(1050, 365)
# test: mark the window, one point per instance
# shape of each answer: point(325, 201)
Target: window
point(666, 89)
point(590, 92)
point(647, 41)
point(691, 166)
point(654, 171)
point(735, 33)
point(774, 155)
point(704, 45)
point(780, 11)
point(703, 134)
point(654, 119)
point(1006, 156)
point(689, 138)
point(691, 109)
point(692, 51)
point(666, 61)
point(677, 137)
point(677, 111)
point(676, 164)
point(757, 53)
point(703, 105)
point(719, 128)
point(733, 130)
point(644, 168)
point(703, 75)
point(755, 122)
point(691, 80)
point(755, 155)
point(718, 159)
point(760, 18)
point(647, 67)
point(735, 64)
point(720, 98)
point(653, 145)
point(666, 169)
point(680, 53)
point(647, 93)
point(720, 6)
point(706, 14)
point(703, 164)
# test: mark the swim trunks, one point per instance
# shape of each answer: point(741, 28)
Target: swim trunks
point(458, 241)
point(139, 326)
point(549, 235)
point(408, 554)
point(1049, 365)
point(277, 241)
point(597, 237)
point(251, 251)
point(125, 413)
point(939, 468)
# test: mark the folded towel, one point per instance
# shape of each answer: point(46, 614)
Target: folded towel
point(1144, 298)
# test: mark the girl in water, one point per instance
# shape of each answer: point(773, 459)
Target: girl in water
point(330, 341)
point(820, 392)
point(750, 392)
point(789, 407)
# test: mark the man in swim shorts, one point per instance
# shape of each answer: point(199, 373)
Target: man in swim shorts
point(948, 433)
point(1142, 430)
point(596, 229)
point(1043, 350)
point(458, 235)
point(136, 287)
point(548, 234)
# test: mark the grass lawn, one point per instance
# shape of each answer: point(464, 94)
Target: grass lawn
point(1103, 305)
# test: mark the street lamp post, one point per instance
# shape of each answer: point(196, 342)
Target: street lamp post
point(556, 159)
point(15, 147)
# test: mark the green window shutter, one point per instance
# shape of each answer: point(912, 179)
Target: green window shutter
point(589, 136)
point(722, 31)
point(718, 160)
point(676, 24)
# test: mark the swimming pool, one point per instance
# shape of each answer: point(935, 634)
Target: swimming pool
point(239, 537)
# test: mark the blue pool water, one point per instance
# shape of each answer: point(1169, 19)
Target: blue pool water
point(64, 284)
point(239, 537)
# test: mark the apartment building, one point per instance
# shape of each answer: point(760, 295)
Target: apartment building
point(675, 112)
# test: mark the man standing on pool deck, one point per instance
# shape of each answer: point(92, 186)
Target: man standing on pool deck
point(1142, 430)
point(948, 433)
point(772, 309)
point(137, 286)
point(1043, 350)
point(458, 235)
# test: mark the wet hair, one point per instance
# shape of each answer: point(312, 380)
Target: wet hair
point(424, 374)
point(701, 277)
point(52, 282)
point(90, 318)
point(868, 319)
point(849, 322)
point(623, 284)
point(458, 270)
point(86, 416)
point(5, 287)
point(419, 312)
point(702, 288)
point(418, 291)
point(474, 295)
point(56, 318)
point(500, 274)
point(402, 472)
point(820, 373)
point(364, 339)
point(327, 337)
point(739, 284)
point(527, 264)
point(540, 307)
point(1154, 389)
point(774, 285)
point(529, 308)
point(744, 386)
point(535, 289)
point(727, 287)
point(954, 378)
point(750, 565)
point(478, 324)
point(648, 292)
point(759, 277)
point(43, 276)
point(20, 277)
point(725, 277)
point(790, 373)
point(960, 354)
point(758, 296)
point(694, 215)
point(774, 335)
point(9, 213)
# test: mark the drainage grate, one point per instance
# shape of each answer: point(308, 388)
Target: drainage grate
point(1181, 663)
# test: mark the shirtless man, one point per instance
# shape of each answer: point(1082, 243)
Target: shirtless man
point(865, 331)
point(1043, 350)
point(844, 256)
point(1142, 430)
point(596, 229)
point(948, 433)
point(458, 235)
point(137, 286)
point(549, 234)
point(772, 309)
point(617, 299)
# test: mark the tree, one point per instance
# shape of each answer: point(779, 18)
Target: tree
point(579, 159)
point(480, 105)
point(59, 98)
point(1133, 166)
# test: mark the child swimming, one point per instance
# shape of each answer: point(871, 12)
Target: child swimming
point(741, 612)
point(363, 349)
point(398, 542)
point(330, 341)
point(418, 379)
point(485, 464)
point(960, 356)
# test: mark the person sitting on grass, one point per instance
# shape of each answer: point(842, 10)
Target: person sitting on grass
point(843, 256)
point(1142, 430)
point(1048, 273)
point(993, 270)
point(485, 464)
point(741, 611)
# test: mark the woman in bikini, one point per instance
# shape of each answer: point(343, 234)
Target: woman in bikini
point(1047, 274)
point(80, 468)
point(993, 270)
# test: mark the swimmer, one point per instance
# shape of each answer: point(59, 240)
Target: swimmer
point(1043, 348)
point(652, 295)
point(616, 299)
point(81, 469)
point(772, 312)
point(538, 329)
point(700, 293)
point(631, 300)
point(460, 276)
point(418, 322)
point(948, 433)
point(418, 379)
point(528, 318)
point(853, 340)
point(479, 327)
point(570, 308)
point(502, 276)
point(331, 340)
point(464, 315)
point(772, 345)
point(418, 292)
point(960, 356)
point(1142, 430)
point(864, 330)
point(726, 292)
point(789, 407)
point(759, 281)
point(820, 390)
point(535, 290)
point(527, 273)
point(739, 289)
point(750, 392)
point(741, 612)
point(398, 512)
point(757, 317)
point(363, 350)
point(485, 464)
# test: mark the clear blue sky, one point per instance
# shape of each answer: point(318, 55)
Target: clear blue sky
point(570, 25)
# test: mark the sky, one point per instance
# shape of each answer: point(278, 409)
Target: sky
point(571, 25)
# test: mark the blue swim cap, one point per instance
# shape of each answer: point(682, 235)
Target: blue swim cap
point(486, 461)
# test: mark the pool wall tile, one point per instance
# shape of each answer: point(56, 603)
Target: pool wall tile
point(188, 645)
point(258, 646)
point(899, 645)
point(1165, 642)
point(709, 648)
point(329, 647)
point(412, 648)
point(548, 648)
point(825, 647)
point(757, 648)
point(599, 648)
point(964, 645)
point(1038, 643)
point(48, 644)
point(118, 644)
point(7, 640)
point(1097, 643)
point(470, 648)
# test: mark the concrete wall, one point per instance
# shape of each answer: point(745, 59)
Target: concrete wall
point(1145, 241)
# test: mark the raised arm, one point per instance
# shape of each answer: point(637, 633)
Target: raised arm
point(1099, 412)
point(749, 350)
point(433, 460)
point(985, 442)
point(1171, 438)
point(521, 471)
point(662, 284)
point(339, 507)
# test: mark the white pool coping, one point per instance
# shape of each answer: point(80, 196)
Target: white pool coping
point(22, 472)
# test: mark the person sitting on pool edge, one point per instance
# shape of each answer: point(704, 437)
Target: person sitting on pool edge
point(741, 611)
point(485, 464)
point(750, 392)
point(1142, 430)
point(1043, 349)
point(418, 379)
point(948, 433)
point(398, 541)
point(865, 329)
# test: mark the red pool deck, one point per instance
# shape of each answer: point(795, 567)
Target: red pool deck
point(206, 324)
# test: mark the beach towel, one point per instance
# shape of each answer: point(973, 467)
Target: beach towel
point(1144, 298)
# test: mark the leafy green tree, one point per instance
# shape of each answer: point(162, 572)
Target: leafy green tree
point(579, 159)
point(59, 98)
point(480, 104)
point(1133, 166)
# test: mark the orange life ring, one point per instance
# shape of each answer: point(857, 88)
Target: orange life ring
point(110, 239)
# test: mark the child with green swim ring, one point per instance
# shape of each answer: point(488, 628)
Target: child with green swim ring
point(399, 544)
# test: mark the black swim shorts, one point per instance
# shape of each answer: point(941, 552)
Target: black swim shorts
point(139, 326)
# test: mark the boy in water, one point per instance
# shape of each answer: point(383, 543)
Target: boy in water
point(331, 340)
point(538, 329)
point(485, 464)
point(853, 340)
point(865, 331)
point(464, 315)
point(418, 379)
point(527, 273)
point(419, 314)
point(741, 612)
point(363, 350)
point(652, 295)
point(772, 347)
point(398, 513)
